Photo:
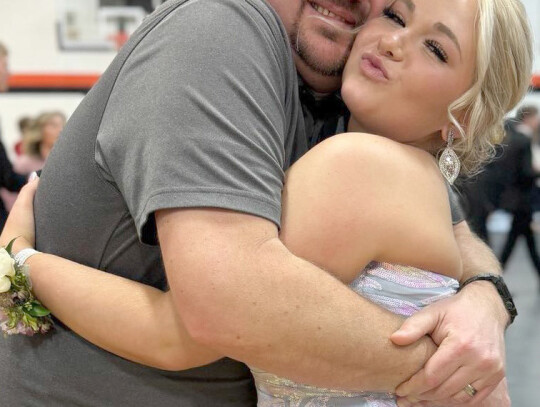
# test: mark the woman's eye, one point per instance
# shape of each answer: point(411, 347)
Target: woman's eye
point(437, 50)
point(392, 15)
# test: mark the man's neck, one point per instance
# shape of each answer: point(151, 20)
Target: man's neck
point(320, 84)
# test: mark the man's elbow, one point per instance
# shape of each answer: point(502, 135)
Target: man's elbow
point(210, 320)
point(204, 328)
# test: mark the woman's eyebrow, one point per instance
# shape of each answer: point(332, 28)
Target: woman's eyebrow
point(410, 5)
point(448, 32)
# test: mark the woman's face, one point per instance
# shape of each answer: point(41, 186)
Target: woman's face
point(50, 132)
point(408, 66)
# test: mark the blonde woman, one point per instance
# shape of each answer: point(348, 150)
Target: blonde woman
point(370, 209)
point(38, 141)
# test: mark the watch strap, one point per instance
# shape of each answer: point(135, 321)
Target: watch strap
point(502, 289)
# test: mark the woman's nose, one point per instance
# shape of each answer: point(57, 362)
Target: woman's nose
point(391, 46)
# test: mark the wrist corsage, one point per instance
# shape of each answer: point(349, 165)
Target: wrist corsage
point(20, 312)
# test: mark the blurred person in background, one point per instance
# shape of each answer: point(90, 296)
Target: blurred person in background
point(4, 70)
point(38, 141)
point(24, 123)
point(9, 179)
point(480, 196)
point(517, 163)
point(535, 146)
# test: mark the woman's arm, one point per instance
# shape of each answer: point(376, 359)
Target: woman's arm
point(145, 329)
point(92, 304)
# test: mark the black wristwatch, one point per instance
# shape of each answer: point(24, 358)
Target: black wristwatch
point(502, 289)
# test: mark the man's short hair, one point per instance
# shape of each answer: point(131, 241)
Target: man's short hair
point(3, 50)
point(526, 111)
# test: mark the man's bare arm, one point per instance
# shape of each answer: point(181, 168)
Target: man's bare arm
point(478, 258)
point(240, 291)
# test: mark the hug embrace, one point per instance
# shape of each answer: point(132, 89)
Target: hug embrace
point(252, 207)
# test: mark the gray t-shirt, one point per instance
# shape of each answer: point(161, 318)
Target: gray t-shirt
point(199, 109)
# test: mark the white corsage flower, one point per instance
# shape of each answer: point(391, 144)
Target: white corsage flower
point(7, 264)
point(5, 284)
point(20, 312)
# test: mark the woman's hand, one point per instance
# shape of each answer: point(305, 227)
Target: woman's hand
point(20, 222)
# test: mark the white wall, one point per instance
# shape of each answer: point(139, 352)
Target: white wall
point(28, 28)
point(533, 11)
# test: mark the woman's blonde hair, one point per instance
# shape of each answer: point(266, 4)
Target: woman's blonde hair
point(33, 136)
point(503, 74)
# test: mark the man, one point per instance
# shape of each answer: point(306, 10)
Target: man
point(187, 136)
point(9, 179)
point(516, 162)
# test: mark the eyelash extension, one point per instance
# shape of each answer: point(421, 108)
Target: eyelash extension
point(436, 48)
point(433, 46)
point(392, 15)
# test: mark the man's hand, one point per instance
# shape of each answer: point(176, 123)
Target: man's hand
point(471, 349)
point(469, 329)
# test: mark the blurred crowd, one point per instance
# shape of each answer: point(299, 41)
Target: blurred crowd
point(37, 137)
point(511, 182)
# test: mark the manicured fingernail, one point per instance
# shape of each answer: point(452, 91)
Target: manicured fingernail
point(32, 176)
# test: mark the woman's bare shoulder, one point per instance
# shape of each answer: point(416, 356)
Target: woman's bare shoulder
point(390, 198)
point(383, 162)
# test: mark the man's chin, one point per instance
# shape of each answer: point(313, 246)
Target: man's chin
point(325, 57)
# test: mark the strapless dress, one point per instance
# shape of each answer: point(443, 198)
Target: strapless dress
point(401, 290)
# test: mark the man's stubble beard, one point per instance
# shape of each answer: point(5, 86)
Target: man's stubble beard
point(303, 50)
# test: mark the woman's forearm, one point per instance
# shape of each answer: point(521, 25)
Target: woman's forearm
point(129, 319)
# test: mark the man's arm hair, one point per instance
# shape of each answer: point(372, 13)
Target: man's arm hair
point(478, 258)
point(240, 291)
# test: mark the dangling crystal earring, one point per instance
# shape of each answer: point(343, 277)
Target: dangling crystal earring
point(449, 162)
